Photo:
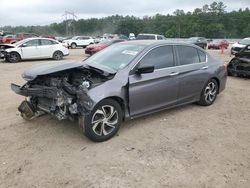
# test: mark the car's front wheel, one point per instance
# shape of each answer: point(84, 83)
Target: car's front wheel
point(209, 93)
point(13, 57)
point(104, 121)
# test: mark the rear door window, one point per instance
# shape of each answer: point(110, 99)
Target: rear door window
point(47, 42)
point(34, 42)
point(160, 57)
point(187, 55)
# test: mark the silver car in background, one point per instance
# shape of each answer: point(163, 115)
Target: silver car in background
point(124, 81)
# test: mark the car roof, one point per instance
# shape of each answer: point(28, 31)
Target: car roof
point(149, 34)
point(156, 42)
point(28, 39)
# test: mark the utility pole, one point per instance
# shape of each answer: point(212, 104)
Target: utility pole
point(69, 18)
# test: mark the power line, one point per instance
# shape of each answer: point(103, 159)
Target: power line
point(69, 19)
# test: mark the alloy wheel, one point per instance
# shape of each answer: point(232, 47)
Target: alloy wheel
point(210, 92)
point(104, 120)
point(58, 56)
point(13, 58)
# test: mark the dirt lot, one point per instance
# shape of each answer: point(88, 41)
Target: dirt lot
point(190, 146)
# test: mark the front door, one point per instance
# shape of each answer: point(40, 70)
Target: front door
point(31, 49)
point(156, 90)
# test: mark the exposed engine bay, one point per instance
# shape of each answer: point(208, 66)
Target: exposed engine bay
point(63, 94)
point(240, 64)
point(3, 47)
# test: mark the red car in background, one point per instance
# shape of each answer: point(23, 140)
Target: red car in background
point(11, 39)
point(217, 44)
point(93, 48)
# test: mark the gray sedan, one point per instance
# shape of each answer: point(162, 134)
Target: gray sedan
point(122, 82)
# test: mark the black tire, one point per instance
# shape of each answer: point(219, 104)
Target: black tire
point(232, 67)
point(73, 45)
point(209, 93)
point(58, 55)
point(14, 57)
point(99, 126)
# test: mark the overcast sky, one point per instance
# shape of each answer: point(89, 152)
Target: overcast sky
point(42, 12)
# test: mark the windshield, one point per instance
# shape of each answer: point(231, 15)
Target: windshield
point(21, 42)
point(217, 41)
point(245, 41)
point(115, 57)
point(193, 39)
point(74, 38)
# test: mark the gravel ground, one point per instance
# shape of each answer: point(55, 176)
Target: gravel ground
point(189, 146)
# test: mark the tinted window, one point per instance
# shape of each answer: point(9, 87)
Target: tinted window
point(187, 55)
point(34, 42)
point(202, 56)
point(160, 57)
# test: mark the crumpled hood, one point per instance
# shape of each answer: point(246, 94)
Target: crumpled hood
point(238, 45)
point(5, 46)
point(38, 70)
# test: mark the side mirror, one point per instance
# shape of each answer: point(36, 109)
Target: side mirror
point(24, 45)
point(145, 69)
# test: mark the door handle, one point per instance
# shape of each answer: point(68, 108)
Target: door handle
point(173, 73)
point(205, 67)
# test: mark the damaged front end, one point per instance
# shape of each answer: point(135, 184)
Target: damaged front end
point(63, 94)
point(3, 48)
point(240, 64)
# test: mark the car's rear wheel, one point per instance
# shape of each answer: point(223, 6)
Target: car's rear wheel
point(58, 55)
point(104, 121)
point(73, 45)
point(209, 93)
point(13, 57)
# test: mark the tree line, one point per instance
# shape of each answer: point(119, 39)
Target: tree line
point(211, 21)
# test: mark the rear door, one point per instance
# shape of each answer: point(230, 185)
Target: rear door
point(31, 49)
point(152, 91)
point(193, 72)
point(83, 41)
point(47, 48)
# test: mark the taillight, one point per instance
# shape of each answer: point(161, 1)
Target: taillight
point(65, 45)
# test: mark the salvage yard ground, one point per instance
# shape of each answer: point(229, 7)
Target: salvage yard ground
point(189, 146)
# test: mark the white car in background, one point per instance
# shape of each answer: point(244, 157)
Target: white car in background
point(79, 41)
point(35, 48)
point(238, 46)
